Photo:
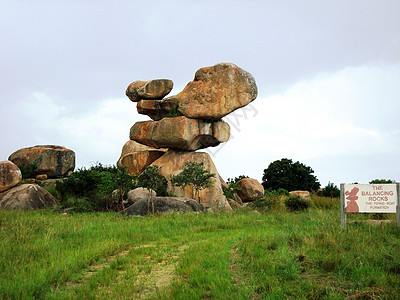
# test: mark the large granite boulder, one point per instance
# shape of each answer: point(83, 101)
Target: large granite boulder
point(250, 189)
point(10, 175)
point(153, 89)
point(140, 193)
point(26, 197)
point(164, 205)
point(180, 133)
point(173, 162)
point(136, 157)
point(215, 92)
point(53, 161)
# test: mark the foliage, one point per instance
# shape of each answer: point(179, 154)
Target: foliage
point(278, 192)
point(262, 204)
point(289, 176)
point(325, 202)
point(151, 179)
point(27, 169)
point(95, 186)
point(193, 174)
point(173, 113)
point(236, 179)
point(331, 190)
point(296, 203)
point(231, 189)
point(377, 181)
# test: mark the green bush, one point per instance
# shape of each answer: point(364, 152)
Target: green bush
point(331, 190)
point(95, 186)
point(27, 169)
point(296, 203)
point(261, 204)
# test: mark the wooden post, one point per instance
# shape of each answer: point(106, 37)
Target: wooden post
point(398, 204)
point(342, 206)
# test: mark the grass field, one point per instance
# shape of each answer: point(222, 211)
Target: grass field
point(239, 255)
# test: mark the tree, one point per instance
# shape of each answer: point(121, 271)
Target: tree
point(377, 181)
point(151, 179)
point(331, 190)
point(290, 176)
point(193, 174)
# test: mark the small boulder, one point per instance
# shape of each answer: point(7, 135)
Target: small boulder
point(53, 161)
point(153, 89)
point(180, 133)
point(140, 193)
point(10, 175)
point(26, 197)
point(301, 194)
point(165, 205)
point(250, 189)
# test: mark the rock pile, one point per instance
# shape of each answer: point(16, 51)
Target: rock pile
point(184, 123)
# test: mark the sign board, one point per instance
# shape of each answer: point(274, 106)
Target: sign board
point(369, 198)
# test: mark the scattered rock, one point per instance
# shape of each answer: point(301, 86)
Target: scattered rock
point(301, 194)
point(41, 177)
point(250, 189)
point(173, 162)
point(165, 205)
point(26, 197)
point(140, 193)
point(180, 133)
point(10, 175)
point(153, 89)
point(53, 161)
point(234, 204)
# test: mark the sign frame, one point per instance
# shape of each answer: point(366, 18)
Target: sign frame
point(343, 204)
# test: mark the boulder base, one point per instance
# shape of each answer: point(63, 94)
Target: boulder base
point(53, 161)
point(173, 162)
point(10, 175)
point(26, 197)
point(165, 205)
point(180, 133)
point(250, 189)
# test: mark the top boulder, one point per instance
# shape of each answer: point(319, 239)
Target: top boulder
point(215, 92)
point(154, 89)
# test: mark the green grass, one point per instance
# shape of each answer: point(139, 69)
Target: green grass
point(241, 255)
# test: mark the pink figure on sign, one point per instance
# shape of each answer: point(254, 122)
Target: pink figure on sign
point(352, 206)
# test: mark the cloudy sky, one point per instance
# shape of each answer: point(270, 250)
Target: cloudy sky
point(328, 75)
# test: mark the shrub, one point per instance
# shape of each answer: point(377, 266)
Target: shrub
point(263, 203)
point(325, 202)
point(331, 190)
point(95, 186)
point(296, 203)
point(27, 169)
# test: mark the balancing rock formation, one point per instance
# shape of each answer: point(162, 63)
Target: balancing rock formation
point(184, 123)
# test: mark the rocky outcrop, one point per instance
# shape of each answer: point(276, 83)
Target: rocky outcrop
point(10, 175)
point(301, 194)
point(250, 189)
point(139, 194)
point(165, 205)
point(180, 133)
point(26, 197)
point(53, 161)
point(173, 162)
point(136, 157)
point(153, 89)
point(214, 93)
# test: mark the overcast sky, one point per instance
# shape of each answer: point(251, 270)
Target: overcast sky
point(328, 75)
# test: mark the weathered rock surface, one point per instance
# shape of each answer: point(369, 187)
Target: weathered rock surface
point(136, 157)
point(140, 193)
point(26, 197)
point(54, 161)
point(180, 133)
point(153, 89)
point(10, 175)
point(173, 162)
point(250, 189)
point(234, 204)
point(156, 109)
point(215, 92)
point(165, 205)
point(301, 194)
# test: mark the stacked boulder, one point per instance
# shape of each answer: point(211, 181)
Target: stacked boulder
point(39, 162)
point(187, 122)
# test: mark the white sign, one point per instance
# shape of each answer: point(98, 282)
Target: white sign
point(370, 198)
